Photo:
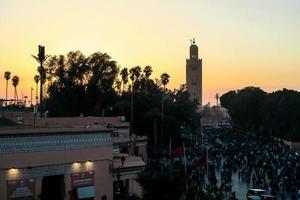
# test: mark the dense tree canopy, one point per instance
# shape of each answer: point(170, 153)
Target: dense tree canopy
point(276, 113)
point(88, 84)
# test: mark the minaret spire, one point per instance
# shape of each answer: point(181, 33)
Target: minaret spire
point(194, 74)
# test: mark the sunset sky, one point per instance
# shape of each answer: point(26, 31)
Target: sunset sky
point(241, 42)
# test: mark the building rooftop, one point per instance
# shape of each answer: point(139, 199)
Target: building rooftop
point(30, 130)
point(129, 161)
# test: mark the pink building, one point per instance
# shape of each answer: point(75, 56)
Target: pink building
point(70, 158)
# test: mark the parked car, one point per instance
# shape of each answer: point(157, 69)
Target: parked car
point(268, 197)
point(256, 192)
point(253, 197)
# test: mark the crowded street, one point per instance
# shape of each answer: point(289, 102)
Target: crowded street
point(238, 163)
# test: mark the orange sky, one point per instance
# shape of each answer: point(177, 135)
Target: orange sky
point(241, 42)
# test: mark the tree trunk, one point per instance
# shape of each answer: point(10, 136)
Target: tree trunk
point(36, 94)
point(6, 92)
point(15, 96)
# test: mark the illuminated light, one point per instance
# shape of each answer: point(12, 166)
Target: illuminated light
point(13, 173)
point(89, 165)
point(76, 166)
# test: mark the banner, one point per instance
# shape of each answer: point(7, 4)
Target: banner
point(21, 189)
point(82, 179)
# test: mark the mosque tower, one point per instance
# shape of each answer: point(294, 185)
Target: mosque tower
point(194, 74)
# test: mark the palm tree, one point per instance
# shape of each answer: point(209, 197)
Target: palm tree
point(118, 86)
point(15, 83)
point(7, 77)
point(41, 58)
point(135, 73)
point(165, 79)
point(36, 79)
point(124, 76)
point(148, 71)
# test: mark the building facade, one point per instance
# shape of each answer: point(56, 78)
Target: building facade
point(55, 163)
point(70, 158)
point(194, 74)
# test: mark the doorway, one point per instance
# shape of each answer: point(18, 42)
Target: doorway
point(53, 187)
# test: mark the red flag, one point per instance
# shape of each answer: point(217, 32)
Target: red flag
point(178, 152)
point(200, 162)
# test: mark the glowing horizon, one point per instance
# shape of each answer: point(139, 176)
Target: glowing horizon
point(242, 43)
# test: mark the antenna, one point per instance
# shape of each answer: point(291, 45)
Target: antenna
point(193, 40)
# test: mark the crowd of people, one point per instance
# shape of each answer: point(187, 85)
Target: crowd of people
point(258, 162)
point(262, 163)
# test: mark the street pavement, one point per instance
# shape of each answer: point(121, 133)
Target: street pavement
point(240, 188)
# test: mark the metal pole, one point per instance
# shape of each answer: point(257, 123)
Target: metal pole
point(162, 115)
point(41, 90)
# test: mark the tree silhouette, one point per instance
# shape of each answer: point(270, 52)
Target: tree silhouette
point(134, 75)
point(275, 114)
point(41, 59)
point(77, 67)
point(36, 79)
point(7, 77)
point(165, 79)
point(81, 84)
point(118, 84)
point(124, 76)
point(89, 84)
point(147, 71)
point(15, 83)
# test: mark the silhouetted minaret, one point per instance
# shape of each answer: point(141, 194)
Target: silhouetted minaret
point(194, 74)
